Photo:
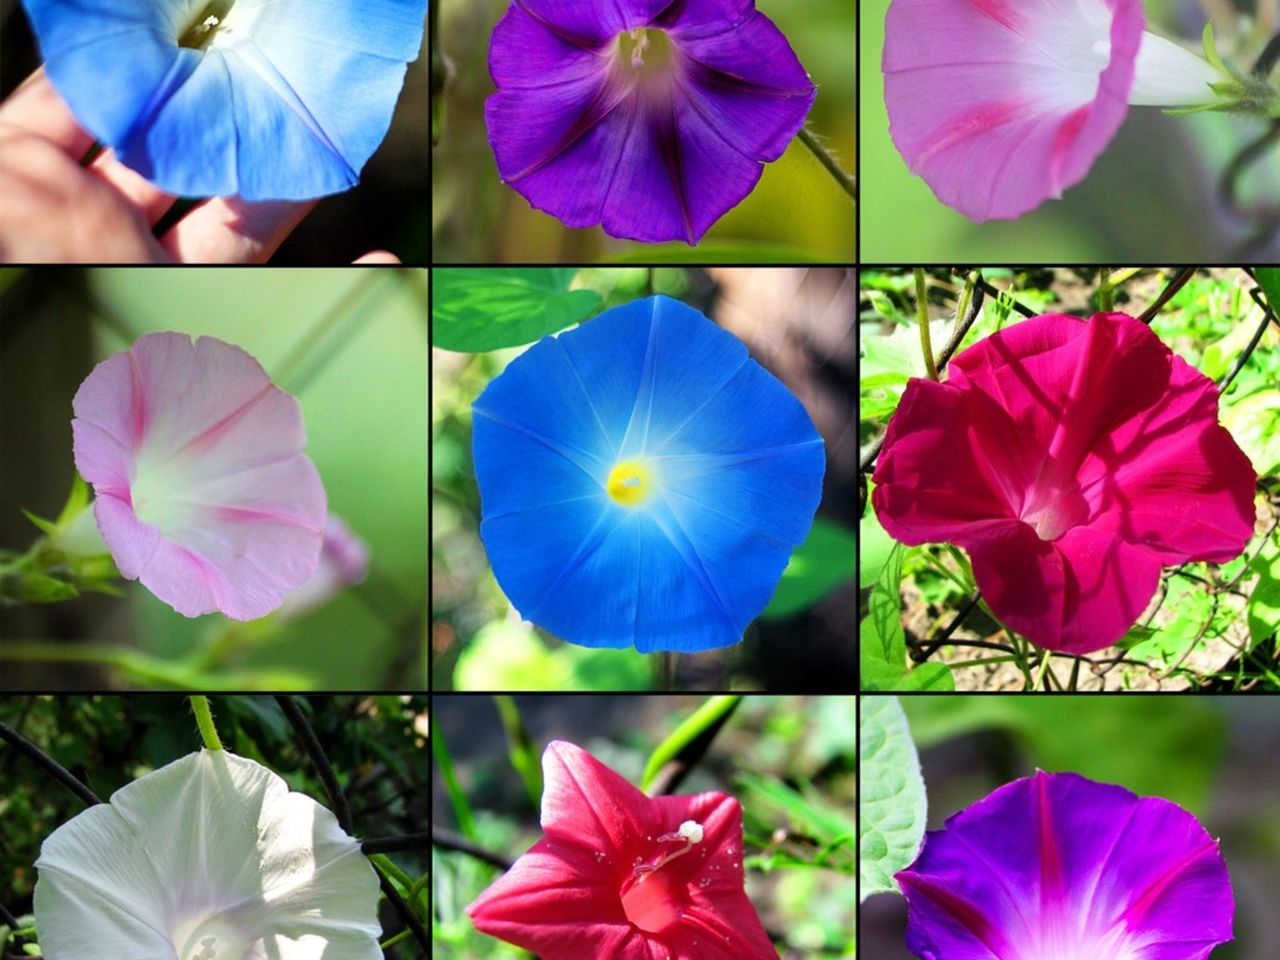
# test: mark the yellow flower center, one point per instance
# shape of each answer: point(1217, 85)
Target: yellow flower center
point(630, 483)
point(647, 50)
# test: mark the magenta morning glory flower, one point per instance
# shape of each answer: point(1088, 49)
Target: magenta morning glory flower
point(1002, 104)
point(1080, 458)
point(1059, 867)
point(625, 876)
point(650, 117)
point(202, 489)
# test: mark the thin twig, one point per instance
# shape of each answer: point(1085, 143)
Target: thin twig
point(324, 770)
point(848, 183)
point(996, 292)
point(406, 913)
point(957, 337)
point(922, 652)
point(1248, 351)
point(1173, 286)
point(7, 918)
point(399, 844)
point(448, 840)
point(55, 769)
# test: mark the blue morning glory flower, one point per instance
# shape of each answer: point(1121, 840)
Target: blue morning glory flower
point(268, 99)
point(643, 480)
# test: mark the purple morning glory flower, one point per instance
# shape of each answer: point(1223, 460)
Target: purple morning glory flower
point(1058, 867)
point(650, 117)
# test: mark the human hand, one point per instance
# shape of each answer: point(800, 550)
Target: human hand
point(53, 210)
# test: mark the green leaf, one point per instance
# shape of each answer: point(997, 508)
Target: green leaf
point(927, 676)
point(1254, 423)
point(741, 251)
point(891, 805)
point(703, 722)
point(882, 652)
point(819, 565)
point(877, 546)
point(1264, 602)
point(806, 813)
point(524, 758)
point(31, 587)
point(1269, 281)
point(486, 308)
point(457, 796)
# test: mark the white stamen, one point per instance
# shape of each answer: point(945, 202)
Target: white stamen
point(690, 832)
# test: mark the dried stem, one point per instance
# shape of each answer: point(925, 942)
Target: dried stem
point(51, 766)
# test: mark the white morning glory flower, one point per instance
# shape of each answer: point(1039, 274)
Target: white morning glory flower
point(208, 858)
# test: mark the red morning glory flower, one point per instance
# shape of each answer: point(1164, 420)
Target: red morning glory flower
point(1059, 867)
point(625, 876)
point(1073, 461)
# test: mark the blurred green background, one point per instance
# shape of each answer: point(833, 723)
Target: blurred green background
point(789, 760)
point(349, 344)
point(798, 323)
point(387, 210)
point(796, 213)
point(1214, 756)
point(1150, 195)
point(377, 746)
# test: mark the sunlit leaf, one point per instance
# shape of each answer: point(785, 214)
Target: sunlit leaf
point(891, 804)
point(485, 308)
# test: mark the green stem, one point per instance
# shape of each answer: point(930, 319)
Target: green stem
point(438, 74)
point(204, 720)
point(848, 183)
point(1106, 292)
point(922, 308)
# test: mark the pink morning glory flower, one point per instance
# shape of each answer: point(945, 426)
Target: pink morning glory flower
point(1059, 867)
point(625, 876)
point(202, 490)
point(650, 117)
point(1002, 104)
point(1073, 461)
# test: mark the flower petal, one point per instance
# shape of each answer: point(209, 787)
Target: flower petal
point(1059, 865)
point(209, 843)
point(203, 491)
point(994, 136)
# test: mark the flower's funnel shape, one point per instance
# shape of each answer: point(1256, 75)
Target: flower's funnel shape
point(1072, 460)
point(208, 858)
point(203, 491)
point(1002, 104)
point(650, 117)
point(643, 480)
point(625, 876)
point(1062, 868)
point(268, 99)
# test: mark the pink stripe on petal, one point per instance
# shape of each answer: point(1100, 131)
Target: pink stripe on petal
point(211, 504)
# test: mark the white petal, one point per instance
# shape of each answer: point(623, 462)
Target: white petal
point(1166, 75)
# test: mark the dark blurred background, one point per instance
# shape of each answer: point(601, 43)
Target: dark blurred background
point(388, 210)
point(798, 323)
point(1215, 756)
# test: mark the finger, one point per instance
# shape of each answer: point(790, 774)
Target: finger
point(52, 211)
point(232, 230)
point(37, 107)
point(147, 197)
point(378, 256)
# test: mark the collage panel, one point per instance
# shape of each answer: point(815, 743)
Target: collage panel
point(214, 481)
point(642, 478)
point(1068, 826)
point(214, 131)
point(214, 828)
point(639, 826)
point(643, 131)
point(1070, 479)
point(1095, 131)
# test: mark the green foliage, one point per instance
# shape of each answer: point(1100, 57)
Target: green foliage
point(882, 643)
point(699, 725)
point(1180, 749)
point(877, 546)
point(891, 803)
point(486, 308)
point(506, 655)
point(1264, 602)
point(823, 562)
